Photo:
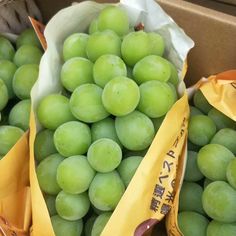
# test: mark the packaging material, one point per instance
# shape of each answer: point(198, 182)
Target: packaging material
point(158, 166)
point(220, 91)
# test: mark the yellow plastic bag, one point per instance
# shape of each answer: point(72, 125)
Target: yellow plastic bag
point(150, 194)
point(220, 91)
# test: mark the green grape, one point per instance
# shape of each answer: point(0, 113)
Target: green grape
point(3, 95)
point(192, 223)
point(156, 98)
point(93, 27)
point(28, 37)
point(100, 43)
point(86, 103)
point(74, 174)
point(194, 111)
point(44, 144)
point(220, 119)
point(193, 147)
point(9, 135)
point(174, 77)
point(227, 138)
point(157, 44)
point(120, 96)
point(7, 51)
point(190, 198)
point(192, 172)
point(104, 155)
point(20, 114)
point(201, 102)
point(100, 224)
point(63, 227)
point(201, 130)
point(106, 68)
point(206, 182)
point(152, 67)
point(24, 79)
point(75, 46)
point(157, 122)
point(218, 201)
point(89, 225)
point(47, 173)
point(216, 228)
point(213, 160)
point(135, 46)
point(51, 204)
point(72, 206)
point(27, 54)
point(53, 110)
point(7, 71)
point(106, 190)
point(75, 72)
point(113, 18)
point(135, 131)
point(128, 167)
point(104, 129)
point(231, 173)
point(72, 138)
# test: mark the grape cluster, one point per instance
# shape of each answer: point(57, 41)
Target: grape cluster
point(207, 204)
point(117, 89)
point(18, 72)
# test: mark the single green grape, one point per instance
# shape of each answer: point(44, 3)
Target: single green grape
point(86, 103)
point(53, 110)
point(216, 228)
point(75, 72)
point(156, 98)
point(113, 18)
point(72, 138)
point(192, 172)
point(72, 206)
point(192, 224)
point(128, 167)
point(213, 160)
point(47, 173)
point(201, 102)
point(7, 71)
point(106, 190)
point(104, 155)
point(9, 135)
point(104, 129)
point(120, 96)
point(51, 204)
point(44, 144)
point(135, 46)
point(74, 174)
point(93, 27)
point(157, 44)
point(100, 43)
point(227, 138)
point(190, 198)
point(3, 95)
point(106, 68)
point(89, 225)
point(218, 201)
point(63, 227)
point(27, 54)
point(28, 37)
point(231, 173)
point(194, 111)
point(152, 67)
point(75, 46)
point(20, 114)
point(7, 51)
point(100, 224)
point(201, 129)
point(221, 120)
point(135, 130)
